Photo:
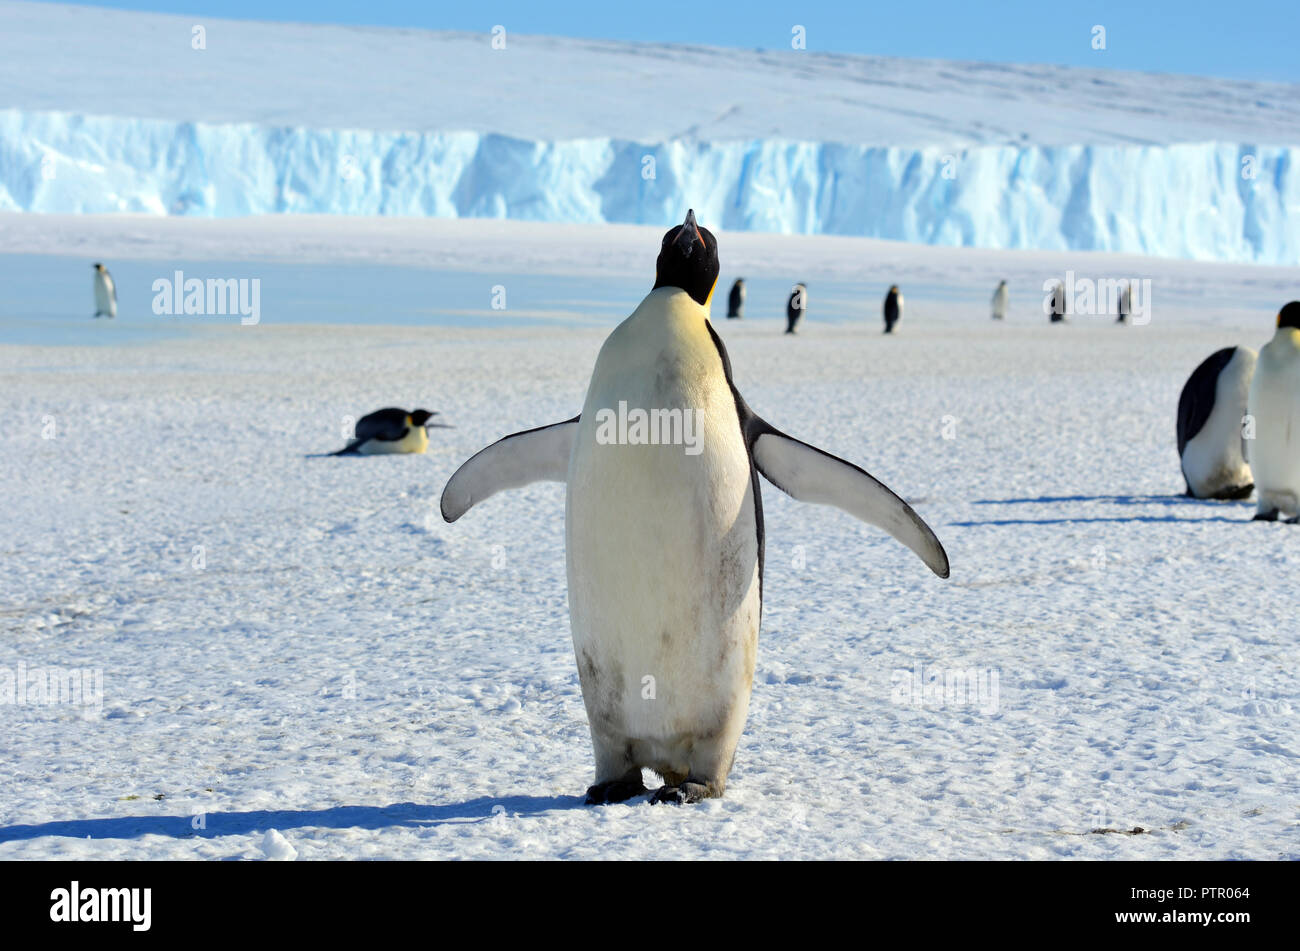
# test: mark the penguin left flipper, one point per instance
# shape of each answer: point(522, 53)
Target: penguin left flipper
point(534, 455)
point(809, 474)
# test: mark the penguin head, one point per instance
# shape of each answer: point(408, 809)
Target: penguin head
point(420, 417)
point(688, 259)
point(99, 267)
point(1289, 316)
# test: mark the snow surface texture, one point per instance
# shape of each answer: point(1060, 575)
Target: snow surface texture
point(289, 118)
point(344, 668)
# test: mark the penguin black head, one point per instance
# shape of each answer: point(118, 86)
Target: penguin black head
point(99, 267)
point(1289, 316)
point(421, 416)
point(688, 259)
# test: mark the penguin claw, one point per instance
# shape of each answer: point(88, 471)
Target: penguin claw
point(1265, 516)
point(615, 790)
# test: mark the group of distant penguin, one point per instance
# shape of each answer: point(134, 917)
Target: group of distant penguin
point(797, 304)
point(1239, 424)
point(892, 310)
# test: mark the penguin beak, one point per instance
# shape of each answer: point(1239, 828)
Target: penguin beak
point(690, 233)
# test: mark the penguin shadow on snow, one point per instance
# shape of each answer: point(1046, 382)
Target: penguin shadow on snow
point(1167, 500)
point(370, 818)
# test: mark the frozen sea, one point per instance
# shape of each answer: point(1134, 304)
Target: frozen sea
point(302, 644)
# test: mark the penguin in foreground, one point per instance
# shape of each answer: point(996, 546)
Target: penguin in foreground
point(893, 308)
point(391, 430)
point(1210, 437)
point(1001, 299)
point(736, 300)
point(664, 537)
point(105, 293)
point(795, 307)
point(1274, 406)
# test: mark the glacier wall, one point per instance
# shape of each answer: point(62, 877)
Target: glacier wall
point(1206, 201)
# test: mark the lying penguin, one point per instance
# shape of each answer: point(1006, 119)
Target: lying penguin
point(391, 430)
point(664, 536)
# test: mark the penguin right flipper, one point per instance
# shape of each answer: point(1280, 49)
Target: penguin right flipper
point(1196, 402)
point(535, 455)
point(809, 474)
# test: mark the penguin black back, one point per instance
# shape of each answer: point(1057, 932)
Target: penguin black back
point(688, 259)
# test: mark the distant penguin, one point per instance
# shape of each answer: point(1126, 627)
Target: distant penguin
point(391, 430)
point(1274, 407)
point(1126, 304)
point(664, 542)
point(1001, 297)
point(795, 307)
point(1210, 413)
point(1058, 303)
point(893, 308)
point(736, 300)
point(105, 293)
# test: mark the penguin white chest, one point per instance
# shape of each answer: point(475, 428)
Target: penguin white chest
point(104, 296)
point(415, 440)
point(662, 542)
point(1214, 459)
point(1274, 453)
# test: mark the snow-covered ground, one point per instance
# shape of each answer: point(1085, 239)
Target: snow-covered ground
point(301, 644)
point(128, 116)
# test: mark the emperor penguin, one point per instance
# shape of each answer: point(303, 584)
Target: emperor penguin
point(1001, 298)
point(1274, 407)
point(664, 537)
point(391, 430)
point(105, 293)
point(1058, 303)
point(1125, 303)
point(1211, 410)
point(893, 308)
point(736, 300)
point(795, 307)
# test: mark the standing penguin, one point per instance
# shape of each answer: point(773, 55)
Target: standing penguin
point(1058, 303)
point(665, 541)
point(795, 307)
point(736, 300)
point(1001, 297)
point(1274, 406)
point(1125, 304)
point(1210, 412)
point(105, 293)
point(893, 308)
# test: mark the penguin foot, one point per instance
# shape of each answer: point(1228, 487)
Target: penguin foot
point(680, 795)
point(1265, 516)
point(615, 790)
point(1293, 520)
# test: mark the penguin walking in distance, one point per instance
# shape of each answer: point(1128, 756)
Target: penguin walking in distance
point(1058, 303)
point(795, 307)
point(391, 430)
point(1001, 300)
point(1125, 303)
point(1274, 407)
point(664, 537)
point(105, 293)
point(736, 300)
point(893, 308)
point(1211, 410)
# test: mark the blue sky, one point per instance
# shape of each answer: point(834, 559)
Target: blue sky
point(1258, 39)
